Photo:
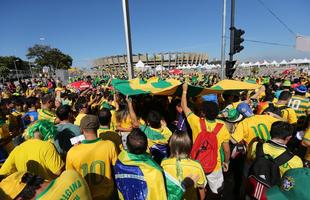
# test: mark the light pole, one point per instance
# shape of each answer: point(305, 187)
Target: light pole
point(30, 68)
point(16, 70)
point(128, 38)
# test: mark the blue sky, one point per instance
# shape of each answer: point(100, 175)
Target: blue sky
point(94, 28)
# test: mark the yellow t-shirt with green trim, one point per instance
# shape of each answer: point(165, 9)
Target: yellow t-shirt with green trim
point(93, 159)
point(124, 123)
point(307, 138)
point(275, 150)
point(109, 134)
point(36, 156)
point(222, 137)
point(252, 127)
point(69, 185)
point(300, 104)
point(44, 114)
point(187, 168)
point(78, 119)
point(288, 114)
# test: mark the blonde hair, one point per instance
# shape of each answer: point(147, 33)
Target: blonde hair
point(180, 145)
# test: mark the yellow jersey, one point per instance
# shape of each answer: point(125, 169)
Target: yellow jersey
point(288, 114)
point(44, 114)
point(252, 127)
point(300, 104)
point(222, 137)
point(93, 159)
point(307, 138)
point(124, 123)
point(185, 168)
point(4, 133)
point(78, 119)
point(274, 150)
point(109, 134)
point(36, 156)
point(69, 185)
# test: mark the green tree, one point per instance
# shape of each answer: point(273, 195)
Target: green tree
point(53, 58)
point(7, 63)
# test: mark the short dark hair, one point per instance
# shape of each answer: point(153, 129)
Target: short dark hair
point(80, 103)
point(281, 130)
point(63, 112)
point(32, 101)
point(104, 117)
point(33, 182)
point(47, 98)
point(210, 110)
point(153, 119)
point(137, 142)
point(285, 95)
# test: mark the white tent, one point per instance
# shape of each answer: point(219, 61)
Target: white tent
point(159, 68)
point(139, 64)
point(265, 63)
point(283, 62)
point(306, 60)
point(293, 61)
point(274, 63)
point(256, 64)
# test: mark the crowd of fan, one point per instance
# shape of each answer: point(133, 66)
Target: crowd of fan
point(59, 143)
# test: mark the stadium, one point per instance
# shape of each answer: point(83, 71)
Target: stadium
point(171, 59)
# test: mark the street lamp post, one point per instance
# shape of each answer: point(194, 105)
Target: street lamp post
point(30, 69)
point(16, 70)
point(128, 38)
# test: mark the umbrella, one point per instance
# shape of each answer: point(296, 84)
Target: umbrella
point(176, 71)
point(287, 71)
point(80, 85)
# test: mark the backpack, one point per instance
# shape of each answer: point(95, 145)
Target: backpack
point(264, 172)
point(205, 147)
point(274, 109)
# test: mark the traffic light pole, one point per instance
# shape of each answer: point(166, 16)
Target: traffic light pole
point(232, 25)
point(223, 41)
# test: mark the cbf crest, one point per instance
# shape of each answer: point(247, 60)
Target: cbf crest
point(288, 183)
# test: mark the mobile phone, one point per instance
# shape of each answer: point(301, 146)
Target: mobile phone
point(77, 139)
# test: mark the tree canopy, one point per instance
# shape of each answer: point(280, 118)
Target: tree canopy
point(7, 64)
point(44, 55)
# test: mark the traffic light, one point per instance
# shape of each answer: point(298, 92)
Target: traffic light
point(237, 33)
point(230, 68)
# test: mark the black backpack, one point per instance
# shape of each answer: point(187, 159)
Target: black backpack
point(265, 169)
point(276, 110)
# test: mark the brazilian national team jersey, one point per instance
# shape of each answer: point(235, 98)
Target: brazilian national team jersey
point(68, 186)
point(46, 115)
point(252, 127)
point(93, 159)
point(300, 104)
point(180, 169)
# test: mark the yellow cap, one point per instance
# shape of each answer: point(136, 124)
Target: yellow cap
point(11, 186)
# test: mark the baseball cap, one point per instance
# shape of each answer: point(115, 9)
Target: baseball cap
point(287, 83)
point(90, 122)
point(210, 97)
point(301, 89)
point(295, 184)
point(12, 186)
point(245, 109)
point(233, 116)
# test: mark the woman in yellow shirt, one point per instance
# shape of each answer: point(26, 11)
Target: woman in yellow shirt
point(180, 166)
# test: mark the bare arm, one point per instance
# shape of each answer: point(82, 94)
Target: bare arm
point(226, 156)
point(133, 116)
point(185, 108)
